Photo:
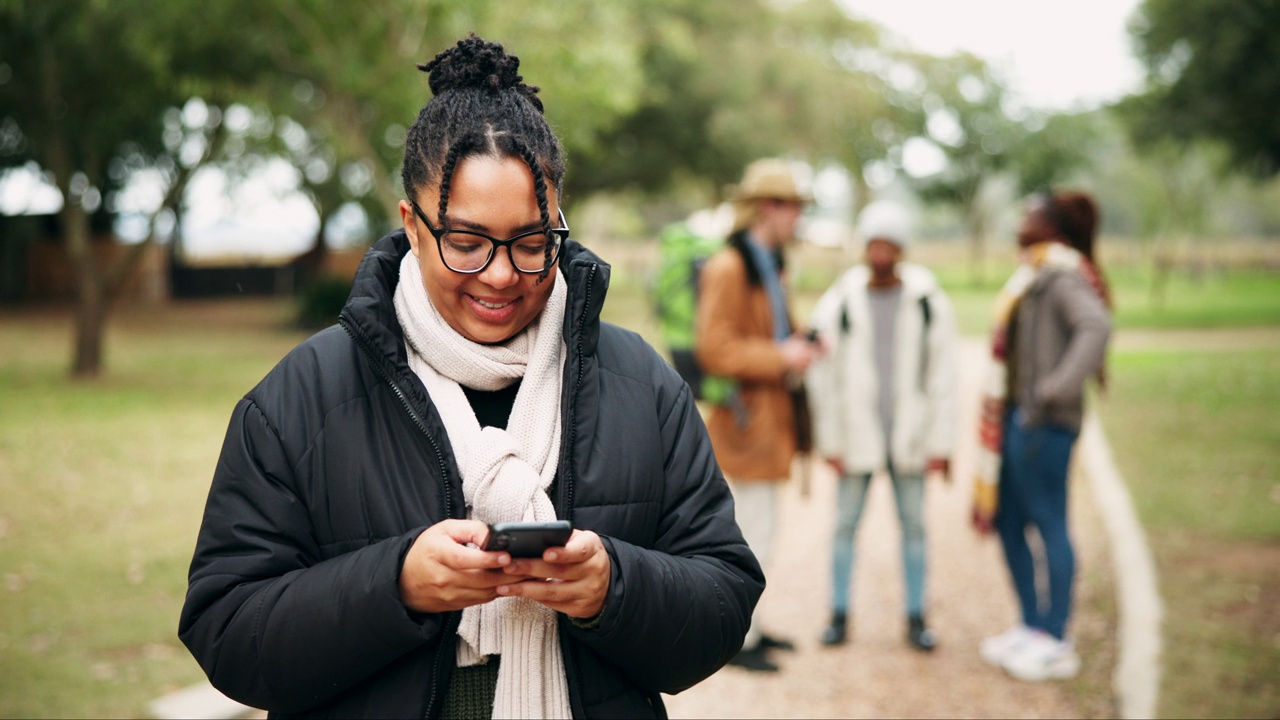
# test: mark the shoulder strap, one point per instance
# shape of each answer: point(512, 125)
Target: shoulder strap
point(926, 318)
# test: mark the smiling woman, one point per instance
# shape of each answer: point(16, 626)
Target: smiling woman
point(339, 570)
point(491, 300)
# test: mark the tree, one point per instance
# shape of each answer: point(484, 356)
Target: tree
point(1210, 73)
point(726, 83)
point(87, 101)
point(967, 118)
point(1056, 148)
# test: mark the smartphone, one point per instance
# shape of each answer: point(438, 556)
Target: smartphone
point(528, 539)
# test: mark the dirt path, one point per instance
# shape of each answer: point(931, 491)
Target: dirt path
point(876, 674)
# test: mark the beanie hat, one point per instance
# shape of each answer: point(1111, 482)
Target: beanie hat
point(884, 220)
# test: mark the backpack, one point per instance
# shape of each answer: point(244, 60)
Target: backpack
point(682, 254)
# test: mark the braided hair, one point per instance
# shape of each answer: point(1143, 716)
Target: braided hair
point(481, 106)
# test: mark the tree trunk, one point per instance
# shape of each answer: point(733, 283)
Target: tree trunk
point(90, 299)
point(91, 310)
point(310, 264)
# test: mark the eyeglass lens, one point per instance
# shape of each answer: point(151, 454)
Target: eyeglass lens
point(466, 251)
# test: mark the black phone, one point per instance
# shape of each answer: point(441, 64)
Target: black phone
point(528, 539)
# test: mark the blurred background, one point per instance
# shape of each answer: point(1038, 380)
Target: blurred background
point(187, 187)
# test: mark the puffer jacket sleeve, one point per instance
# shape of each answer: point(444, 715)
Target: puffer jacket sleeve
point(273, 624)
point(678, 611)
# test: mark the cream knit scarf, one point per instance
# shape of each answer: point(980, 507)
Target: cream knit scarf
point(505, 475)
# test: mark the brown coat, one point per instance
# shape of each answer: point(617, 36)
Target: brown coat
point(735, 339)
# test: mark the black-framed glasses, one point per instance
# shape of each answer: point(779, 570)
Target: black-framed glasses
point(465, 251)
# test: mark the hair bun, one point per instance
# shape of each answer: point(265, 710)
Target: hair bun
point(474, 63)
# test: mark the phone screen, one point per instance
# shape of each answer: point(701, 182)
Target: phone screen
point(528, 539)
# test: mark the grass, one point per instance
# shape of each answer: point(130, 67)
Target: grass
point(103, 483)
point(1196, 435)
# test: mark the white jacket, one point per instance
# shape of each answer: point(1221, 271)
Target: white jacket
point(844, 386)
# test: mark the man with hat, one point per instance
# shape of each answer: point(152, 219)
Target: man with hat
point(884, 400)
point(745, 335)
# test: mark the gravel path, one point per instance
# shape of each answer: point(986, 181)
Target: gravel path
point(877, 674)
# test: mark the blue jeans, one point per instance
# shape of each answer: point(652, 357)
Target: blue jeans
point(908, 490)
point(1033, 494)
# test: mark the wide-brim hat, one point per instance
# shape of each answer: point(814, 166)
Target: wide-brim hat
point(767, 179)
point(770, 179)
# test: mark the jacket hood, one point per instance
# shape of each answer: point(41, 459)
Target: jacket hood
point(370, 309)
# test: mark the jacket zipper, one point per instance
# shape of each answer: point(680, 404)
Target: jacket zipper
point(573, 402)
point(376, 360)
point(571, 667)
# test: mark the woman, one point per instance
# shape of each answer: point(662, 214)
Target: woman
point(469, 381)
point(1052, 327)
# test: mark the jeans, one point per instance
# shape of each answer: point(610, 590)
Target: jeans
point(908, 490)
point(1033, 494)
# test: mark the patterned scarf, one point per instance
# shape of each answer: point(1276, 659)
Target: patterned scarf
point(1034, 259)
point(505, 475)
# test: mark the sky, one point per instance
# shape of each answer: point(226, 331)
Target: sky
point(1058, 55)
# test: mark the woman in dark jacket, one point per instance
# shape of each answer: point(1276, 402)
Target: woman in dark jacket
point(337, 570)
point(1053, 325)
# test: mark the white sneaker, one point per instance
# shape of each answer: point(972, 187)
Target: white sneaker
point(1043, 657)
point(995, 649)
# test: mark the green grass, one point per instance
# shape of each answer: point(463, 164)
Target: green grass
point(1196, 436)
point(103, 485)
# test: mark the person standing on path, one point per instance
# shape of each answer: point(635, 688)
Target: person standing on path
point(745, 334)
point(340, 568)
point(1052, 327)
point(884, 400)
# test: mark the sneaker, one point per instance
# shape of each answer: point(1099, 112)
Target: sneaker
point(754, 659)
point(834, 634)
point(995, 649)
point(920, 637)
point(1043, 657)
point(771, 642)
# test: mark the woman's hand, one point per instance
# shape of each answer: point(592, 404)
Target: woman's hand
point(442, 573)
point(573, 579)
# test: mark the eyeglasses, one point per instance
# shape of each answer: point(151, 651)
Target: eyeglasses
point(464, 252)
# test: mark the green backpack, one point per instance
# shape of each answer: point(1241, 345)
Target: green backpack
point(675, 292)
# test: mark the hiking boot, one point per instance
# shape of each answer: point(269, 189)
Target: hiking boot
point(920, 637)
point(996, 649)
point(770, 642)
point(1043, 657)
point(755, 660)
point(834, 634)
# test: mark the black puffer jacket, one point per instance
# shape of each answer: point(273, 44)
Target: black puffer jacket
point(337, 461)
